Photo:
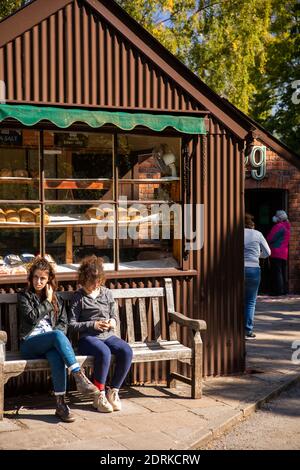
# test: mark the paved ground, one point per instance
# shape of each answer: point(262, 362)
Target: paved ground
point(159, 418)
point(275, 426)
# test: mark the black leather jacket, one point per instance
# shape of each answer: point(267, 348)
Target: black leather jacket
point(31, 310)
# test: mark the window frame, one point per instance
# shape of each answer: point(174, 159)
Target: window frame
point(42, 201)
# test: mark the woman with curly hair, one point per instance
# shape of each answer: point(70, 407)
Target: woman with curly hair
point(93, 317)
point(43, 324)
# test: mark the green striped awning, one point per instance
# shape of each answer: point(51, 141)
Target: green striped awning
point(63, 118)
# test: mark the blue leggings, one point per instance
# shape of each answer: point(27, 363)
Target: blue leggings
point(55, 347)
point(102, 351)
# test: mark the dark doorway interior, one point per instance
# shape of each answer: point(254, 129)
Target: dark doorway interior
point(262, 204)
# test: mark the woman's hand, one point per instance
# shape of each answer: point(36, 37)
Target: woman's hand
point(49, 293)
point(101, 325)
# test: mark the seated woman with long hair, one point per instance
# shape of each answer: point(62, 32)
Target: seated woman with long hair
point(43, 324)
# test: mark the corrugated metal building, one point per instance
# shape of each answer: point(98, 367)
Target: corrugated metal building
point(91, 55)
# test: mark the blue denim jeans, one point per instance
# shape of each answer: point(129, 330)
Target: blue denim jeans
point(55, 347)
point(102, 351)
point(252, 281)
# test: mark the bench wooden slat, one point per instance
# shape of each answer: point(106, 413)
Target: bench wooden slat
point(143, 319)
point(170, 307)
point(13, 327)
point(138, 292)
point(163, 344)
point(169, 295)
point(118, 328)
point(8, 298)
point(117, 294)
point(21, 365)
point(148, 352)
point(129, 319)
point(156, 318)
point(148, 355)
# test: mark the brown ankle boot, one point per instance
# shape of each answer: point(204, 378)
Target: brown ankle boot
point(83, 384)
point(63, 411)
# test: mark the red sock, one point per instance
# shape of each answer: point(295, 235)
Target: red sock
point(100, 386)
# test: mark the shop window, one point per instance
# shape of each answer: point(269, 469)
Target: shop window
point(148, 157)
point(102, 194)
point(20, 237)
point(152, 237)
point(78, 166)
point(149, 172)
point(73, 233)
point(19, 186)
point(19, 175)
point(78, 169)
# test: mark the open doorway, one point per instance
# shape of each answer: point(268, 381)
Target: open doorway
point(262, 204)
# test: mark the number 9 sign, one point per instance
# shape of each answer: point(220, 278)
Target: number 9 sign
point(258, 161)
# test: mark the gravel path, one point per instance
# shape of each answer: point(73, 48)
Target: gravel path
point(275, 426)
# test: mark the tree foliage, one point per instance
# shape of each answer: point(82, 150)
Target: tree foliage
point(277, 102)
point(223, 42)
point(9, 6)
point(247, 51)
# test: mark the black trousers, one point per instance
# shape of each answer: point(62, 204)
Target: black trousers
point(278, 276)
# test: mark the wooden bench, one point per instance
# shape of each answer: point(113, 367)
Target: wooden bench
point(142, 310)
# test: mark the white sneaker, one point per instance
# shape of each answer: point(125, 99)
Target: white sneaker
point(114, 399)
point(101, 404)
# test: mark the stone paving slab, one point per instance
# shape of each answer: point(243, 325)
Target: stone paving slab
point(35, 438)
point(104, 426)
point(204, 402)
point(158, 405)
point(160, 421)
point(150, 440)
point(8, 425)
point(100, 443)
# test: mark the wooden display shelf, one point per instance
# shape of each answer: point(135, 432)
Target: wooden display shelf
point(69, 275)
point(77, 220)
point(55, 221)
point(60, 183)
point(78, 183)
point(84, 183)
point(17, 179)
point(164, 179)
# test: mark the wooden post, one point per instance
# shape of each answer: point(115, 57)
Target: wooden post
point(171, 365)
point(197, 365)
point(1, 390)
point(3, 341)
point(69, 245)
point(13, 327)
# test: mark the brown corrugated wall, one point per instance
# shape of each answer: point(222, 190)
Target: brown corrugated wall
point(75, 58)
point(72, 58)
point(219, 185)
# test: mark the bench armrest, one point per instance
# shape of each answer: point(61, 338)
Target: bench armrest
point(3, 336)
point(3, 341)
point(183, 320)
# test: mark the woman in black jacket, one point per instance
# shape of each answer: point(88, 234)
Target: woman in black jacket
point(43, 324)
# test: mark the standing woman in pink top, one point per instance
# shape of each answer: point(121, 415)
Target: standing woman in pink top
point(278, 239)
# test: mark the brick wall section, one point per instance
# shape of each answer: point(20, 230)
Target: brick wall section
point(282, 175)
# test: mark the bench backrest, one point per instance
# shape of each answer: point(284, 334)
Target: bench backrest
point(142, 313)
